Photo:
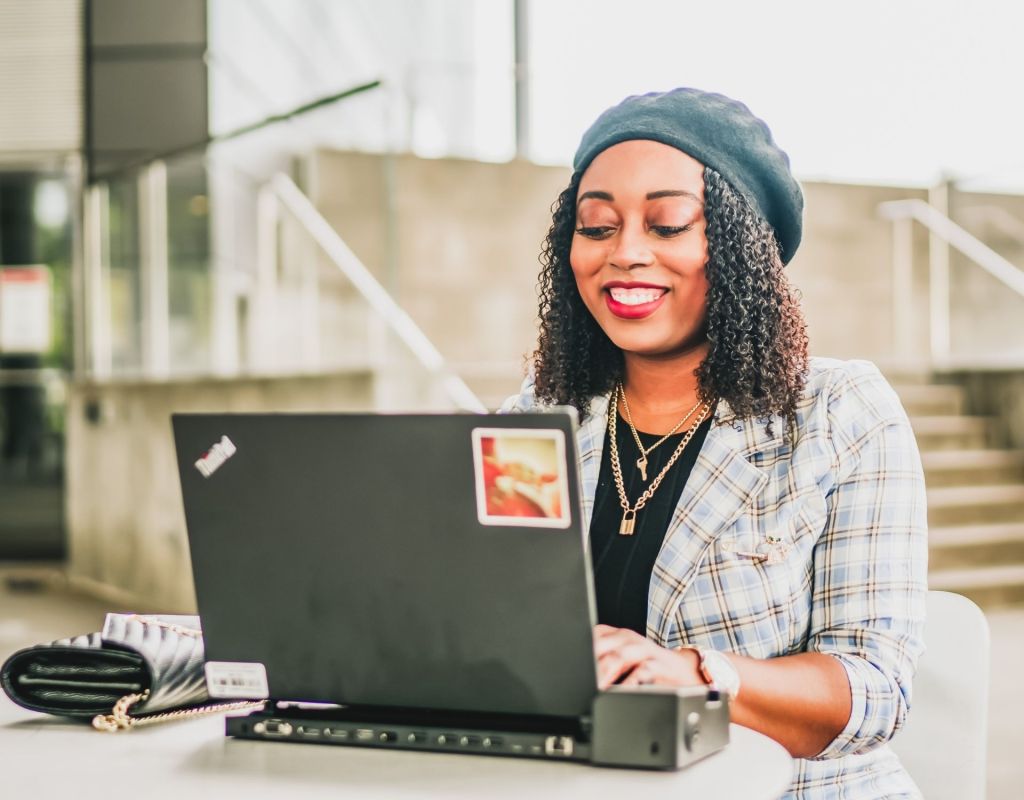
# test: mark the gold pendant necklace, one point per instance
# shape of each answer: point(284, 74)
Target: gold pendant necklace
point(628, 525)
point(641, 463)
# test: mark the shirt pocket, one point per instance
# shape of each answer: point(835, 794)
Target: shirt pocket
point(760, 576)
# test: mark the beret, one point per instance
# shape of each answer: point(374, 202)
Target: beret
point(720, 133)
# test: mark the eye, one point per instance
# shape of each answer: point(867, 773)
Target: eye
point(668, 231)
point(595, 232)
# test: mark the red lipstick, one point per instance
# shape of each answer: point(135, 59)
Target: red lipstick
point(631, 310)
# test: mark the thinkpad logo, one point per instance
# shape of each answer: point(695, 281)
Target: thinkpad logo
point(215, 457)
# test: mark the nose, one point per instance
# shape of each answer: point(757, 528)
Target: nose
point(631, 248)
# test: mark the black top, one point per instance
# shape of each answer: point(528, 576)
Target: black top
point(623, 564)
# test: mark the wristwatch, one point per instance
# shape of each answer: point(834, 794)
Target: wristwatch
point(717, 671)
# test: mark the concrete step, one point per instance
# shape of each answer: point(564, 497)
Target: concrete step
point(989, 587)
point(970, 505)
point(972, 467)
point(931, 399)
point(945, 432)
point(960, 547)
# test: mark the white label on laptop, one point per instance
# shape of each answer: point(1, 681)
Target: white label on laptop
point(521, 477)
point(236, 680)
point(214, 458)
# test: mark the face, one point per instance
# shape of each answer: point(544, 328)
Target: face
point(639, 249)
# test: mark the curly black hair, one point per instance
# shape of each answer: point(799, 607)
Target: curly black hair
point(757, 356)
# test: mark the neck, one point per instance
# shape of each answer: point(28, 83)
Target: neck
point(661, 390)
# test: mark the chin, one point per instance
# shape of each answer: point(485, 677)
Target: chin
point(655, 345)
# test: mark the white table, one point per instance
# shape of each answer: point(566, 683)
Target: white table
point(43, 756)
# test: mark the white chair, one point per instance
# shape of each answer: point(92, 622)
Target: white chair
point(943, 744)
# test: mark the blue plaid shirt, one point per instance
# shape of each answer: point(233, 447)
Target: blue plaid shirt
point(820, 545)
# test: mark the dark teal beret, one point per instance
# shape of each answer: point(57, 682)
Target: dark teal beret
point(721, 134)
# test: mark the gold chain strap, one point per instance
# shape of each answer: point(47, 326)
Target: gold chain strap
point(120, 719)
point(181, 630)
point(628, 523)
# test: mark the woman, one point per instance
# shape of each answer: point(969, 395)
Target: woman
point(757, 517)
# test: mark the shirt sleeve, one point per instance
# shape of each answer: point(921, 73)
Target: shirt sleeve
point(870, 563)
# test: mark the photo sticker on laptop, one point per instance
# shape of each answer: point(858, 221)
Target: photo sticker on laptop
point(521, 477)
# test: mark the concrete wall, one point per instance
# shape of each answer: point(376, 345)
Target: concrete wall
point(127, 537)
point(457, 242)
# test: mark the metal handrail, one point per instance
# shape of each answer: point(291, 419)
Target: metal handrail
point(944, 233)
point(951, 233)
point(321, 231)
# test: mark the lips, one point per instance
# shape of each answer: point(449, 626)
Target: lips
point(633, 300)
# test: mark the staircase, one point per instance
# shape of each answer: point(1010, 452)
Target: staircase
point(975, 497)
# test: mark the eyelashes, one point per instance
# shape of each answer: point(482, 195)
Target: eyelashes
point(600, 232)
point(595, 232)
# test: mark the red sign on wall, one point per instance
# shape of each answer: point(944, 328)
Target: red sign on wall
point(24, 309)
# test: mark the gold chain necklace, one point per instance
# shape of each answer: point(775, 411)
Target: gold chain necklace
point(641, 463)
point(628, 524)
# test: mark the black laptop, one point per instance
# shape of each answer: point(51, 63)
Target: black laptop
point(394, 580)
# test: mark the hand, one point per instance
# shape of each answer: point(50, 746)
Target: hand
point(627, 658)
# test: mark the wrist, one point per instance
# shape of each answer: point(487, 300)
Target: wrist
point(716, 670)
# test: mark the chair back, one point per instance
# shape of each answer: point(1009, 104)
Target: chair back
point(943, 744)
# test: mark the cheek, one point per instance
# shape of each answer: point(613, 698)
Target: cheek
point(696, 296)
point(585, 258)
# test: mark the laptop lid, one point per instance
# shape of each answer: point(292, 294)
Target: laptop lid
point(429, 561)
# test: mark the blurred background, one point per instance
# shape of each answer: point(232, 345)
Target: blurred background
point(338, 204)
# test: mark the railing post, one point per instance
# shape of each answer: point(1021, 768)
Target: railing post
point(97, 282)
point(263, 320)
point(225, 284)
point(309, 303)
point(154, 271)
point(903, 287)
point(80, 357)
point(938, 279)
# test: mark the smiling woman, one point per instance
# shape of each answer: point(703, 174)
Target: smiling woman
point(757, 516)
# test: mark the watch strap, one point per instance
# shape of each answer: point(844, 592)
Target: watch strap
point(716, 670)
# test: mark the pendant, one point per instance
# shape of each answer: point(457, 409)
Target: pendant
point(628, 523)
point(641, 464)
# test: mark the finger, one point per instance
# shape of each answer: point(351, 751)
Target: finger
point(611, 668)
point(639, 676)
point(615, 639)
point(615, 664)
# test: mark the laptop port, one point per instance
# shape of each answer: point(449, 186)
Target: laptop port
point(558, 746)
point(273, 727)
point(309, 733)
point(364, 734)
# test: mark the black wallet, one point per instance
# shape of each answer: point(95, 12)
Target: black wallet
point(137, 670)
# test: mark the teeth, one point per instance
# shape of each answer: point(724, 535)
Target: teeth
point(635, 297)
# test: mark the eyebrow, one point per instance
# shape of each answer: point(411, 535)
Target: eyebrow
point(598, 195)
